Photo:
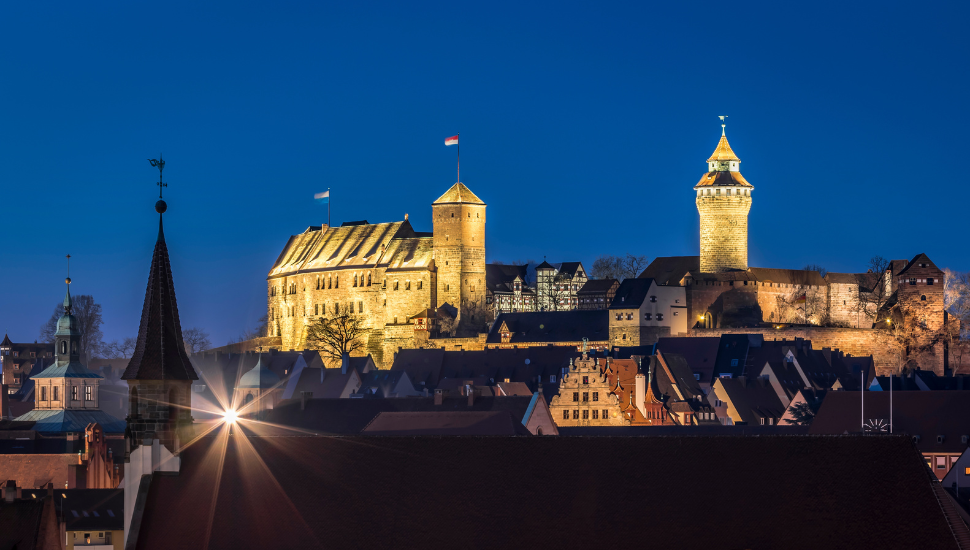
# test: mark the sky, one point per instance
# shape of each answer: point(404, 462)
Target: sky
point(584, 128)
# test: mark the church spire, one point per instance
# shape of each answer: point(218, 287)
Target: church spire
point(159, 350)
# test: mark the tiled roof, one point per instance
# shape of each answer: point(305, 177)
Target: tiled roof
point(159, 350)
point(669, 270)
point(598, 285)
point(552, 326)
point(723, 151)
point(919, 259)
point(483, 492)
point(93, 509)
point(459, 193)
point(727, 179)
point(700, 353)
point(753, 398)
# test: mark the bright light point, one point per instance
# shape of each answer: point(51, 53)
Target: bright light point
point(230, 416)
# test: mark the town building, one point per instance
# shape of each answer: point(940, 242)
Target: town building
point(387, 273)
point(93, 519)
point(597, 293)
point(642, 311)
point(507, 290)
point(258, 390)
point(586, 396)
point(17, 360)
point(557, 286)
point(543, 328)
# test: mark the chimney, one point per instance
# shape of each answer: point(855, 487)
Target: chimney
point(344, 363)
point(438, 396)
point(641, 393)
point(10, 491)
point(470, 390)
point(5, 403)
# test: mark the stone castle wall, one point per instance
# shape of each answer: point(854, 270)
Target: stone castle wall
point(724, 232)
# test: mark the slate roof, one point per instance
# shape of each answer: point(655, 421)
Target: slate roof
point(927, 414)
point(58, 421)
point(552, 326)
point(380, 383)
point(70, 370)
point(93, 509)
point(350, 416)
point(727, 179)
point(159, 350)
point(483, 492)
point(499, 277)
point(598, 285)
point(631, 293)
point(545, 265)
point(669, 270)
point(445, 423)
point(700, 353)
point(6, 341)
point(753, 398)
point(569, 269)
point(459, 193)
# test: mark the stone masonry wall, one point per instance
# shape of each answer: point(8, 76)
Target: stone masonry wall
point(724, 232)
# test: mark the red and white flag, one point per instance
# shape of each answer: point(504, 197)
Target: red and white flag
point(453, 140)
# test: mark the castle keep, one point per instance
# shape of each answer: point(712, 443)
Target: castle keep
point(387, 273)
point(723, 201)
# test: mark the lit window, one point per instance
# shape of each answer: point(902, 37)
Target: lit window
point(585, 396)
point(575, 396)
point(585, 415)
point(565, 416)
point(660, 316)
point(575, 415)
point(596, 414)
point(88, 393)
point(596, 396)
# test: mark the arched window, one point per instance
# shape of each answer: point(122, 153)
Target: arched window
point(248, 399)
point(355, 280)
point(73, 347)
point(368, 279)
point(336, 281)
point(923, 297)
point(63, 347)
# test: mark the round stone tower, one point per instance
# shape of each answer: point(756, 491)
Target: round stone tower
point(723, 201)
point(459, 248)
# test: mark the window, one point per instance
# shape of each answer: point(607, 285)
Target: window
point(585, 380)
point(605, 415)
point(923, 298)
point(350, 308)
point(966, 471)
point(660, 316)
point(596, 396)
point(63, 348)
point(336, 281)
point(43, 394)
point(624, 337)
point(585, 415)
point(629, 316)
point(316, 309)
point(89, 393)
point(585, 396)
point(407, 285)
point(565, 415)
point(396, 285)
point(596, 414)
point(647, 316)
point(74, 394)
point(653, 298)
point(336, 308)
point(575, 396)
point(734, 362)
point(420, 285)
point(912, 281)
point(676, 313)
point(941, 463)
point(790, 359)
point(619, 316)
point(360, 307)
point(575, 415)
point(54, 394)
point(929, 281)
point(552, 378)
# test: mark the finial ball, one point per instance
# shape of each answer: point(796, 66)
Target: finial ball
point(67, 280)
point(161, 207)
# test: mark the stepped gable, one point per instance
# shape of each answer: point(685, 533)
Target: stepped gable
point(159, 351)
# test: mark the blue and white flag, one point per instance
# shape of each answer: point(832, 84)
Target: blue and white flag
point(323, 198)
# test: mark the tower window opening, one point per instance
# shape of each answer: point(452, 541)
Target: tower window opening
point(923, 298)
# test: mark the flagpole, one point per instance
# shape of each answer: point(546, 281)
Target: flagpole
point(328, 207)
point(458, 150)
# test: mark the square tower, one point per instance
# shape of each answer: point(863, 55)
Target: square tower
point(459, 249)
point(723, 202)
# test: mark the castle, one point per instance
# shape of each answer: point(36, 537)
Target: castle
point(723, 293)
point(386, 273)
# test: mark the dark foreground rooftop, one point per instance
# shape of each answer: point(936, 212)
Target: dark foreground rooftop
point(546, 492)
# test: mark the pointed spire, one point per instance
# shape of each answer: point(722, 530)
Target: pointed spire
point(67, 281)
point(159, 349)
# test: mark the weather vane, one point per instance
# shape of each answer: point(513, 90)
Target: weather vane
point(160, 164)
point(722, 117)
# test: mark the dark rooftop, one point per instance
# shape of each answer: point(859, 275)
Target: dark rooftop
point(552, 326)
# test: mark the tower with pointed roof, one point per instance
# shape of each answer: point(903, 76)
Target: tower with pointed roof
point(159, 374)
point(459, 251)
point(723, 202)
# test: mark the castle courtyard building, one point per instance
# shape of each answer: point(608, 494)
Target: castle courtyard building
point(386, 273)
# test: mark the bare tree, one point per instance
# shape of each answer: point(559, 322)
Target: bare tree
point(116, 349)
point(874, 291)
point(618, 267)
point(334, 336)
point(815, 267)
point(196, 340)
point(88, 315)
point(530, 270)
point(260, 330)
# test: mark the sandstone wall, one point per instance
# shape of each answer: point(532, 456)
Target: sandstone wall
point(724, 232)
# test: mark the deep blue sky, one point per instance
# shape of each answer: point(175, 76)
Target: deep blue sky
point(584, 129)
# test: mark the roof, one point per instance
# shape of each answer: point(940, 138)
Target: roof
point(499, 277)
point(928, 414)
point(6, 341)
point(545, 265)
point(719, 179)
point(569, 269)
point(669, 270)
point(723, 151)
point(445, 423)
point(35, 471)
point(259, 377)
point(598, 285)
point(159, 350)
point(487, 491)
point(70, 370)
point(753, 398)
point(22, 524)
point(325, 383)
point(351, 416)
point(700, 353)
point(788, 276)
point(631, 293)
point(392, 245)
point(93, 509)
point(916, 261)
point(68, 420)
point(552, 326)
point(459, 193)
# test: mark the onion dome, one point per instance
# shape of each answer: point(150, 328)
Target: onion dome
point(259, 377)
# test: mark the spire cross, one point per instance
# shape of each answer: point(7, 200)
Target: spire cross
point(160, 164)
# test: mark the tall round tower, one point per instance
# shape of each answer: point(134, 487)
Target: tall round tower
point(723, 201)
point(459, 247)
